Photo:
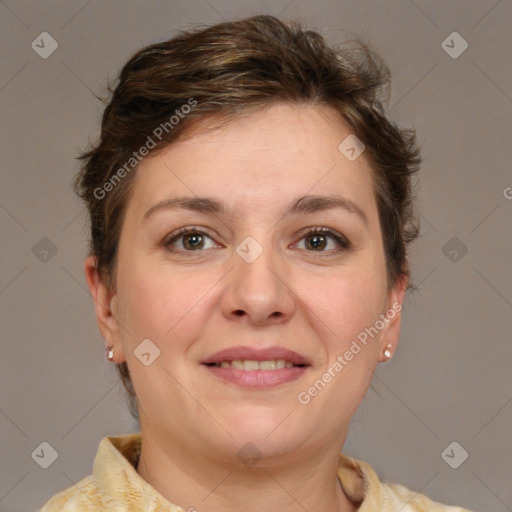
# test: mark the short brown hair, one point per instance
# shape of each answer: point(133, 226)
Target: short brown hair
point(228, 70)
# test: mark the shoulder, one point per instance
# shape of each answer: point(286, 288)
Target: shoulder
point(113, 480)
point(80, 497)
point(363, 486)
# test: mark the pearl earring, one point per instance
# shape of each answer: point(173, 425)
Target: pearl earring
point(387, 352)
point(110, 353)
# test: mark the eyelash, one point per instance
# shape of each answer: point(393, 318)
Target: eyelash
point(342, 241)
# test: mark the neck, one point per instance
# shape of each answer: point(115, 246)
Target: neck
point(196, 482)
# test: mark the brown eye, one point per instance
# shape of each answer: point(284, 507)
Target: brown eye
point(187, 240)
point(317, 239)
point(193, 241)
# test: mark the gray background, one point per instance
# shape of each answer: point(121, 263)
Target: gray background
point(450, 380)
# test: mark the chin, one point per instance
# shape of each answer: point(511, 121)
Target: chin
point(268, 432)
point(249, 450)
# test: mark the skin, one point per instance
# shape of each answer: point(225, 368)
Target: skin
point(193, 303)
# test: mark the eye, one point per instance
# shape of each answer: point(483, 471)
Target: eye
point(188, 239)
point(317, 238)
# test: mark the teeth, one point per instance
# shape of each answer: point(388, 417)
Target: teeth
point(267, 365)
point(249, 365)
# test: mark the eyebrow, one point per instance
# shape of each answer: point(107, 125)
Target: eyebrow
point(303, 205)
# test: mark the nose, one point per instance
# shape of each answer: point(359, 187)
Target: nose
point(258, 289)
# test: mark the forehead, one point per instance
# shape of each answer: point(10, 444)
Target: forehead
point(258, 161)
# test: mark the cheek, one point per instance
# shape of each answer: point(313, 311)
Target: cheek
point(158, 304)
point(347, 305)
point(350, 307)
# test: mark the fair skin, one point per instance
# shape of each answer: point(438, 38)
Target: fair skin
point(192, 303)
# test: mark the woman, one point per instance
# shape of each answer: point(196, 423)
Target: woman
point(250, 210)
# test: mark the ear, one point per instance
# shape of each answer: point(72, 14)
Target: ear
point(105, 306)
point(391, 332)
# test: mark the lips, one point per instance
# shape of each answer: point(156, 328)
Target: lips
point(249, 354)
point(257, 368)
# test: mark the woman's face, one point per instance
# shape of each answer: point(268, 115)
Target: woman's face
point(248, 276)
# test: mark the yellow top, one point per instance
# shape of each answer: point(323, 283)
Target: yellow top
point(115, 485)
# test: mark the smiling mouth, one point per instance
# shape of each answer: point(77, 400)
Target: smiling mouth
point(252, 365)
